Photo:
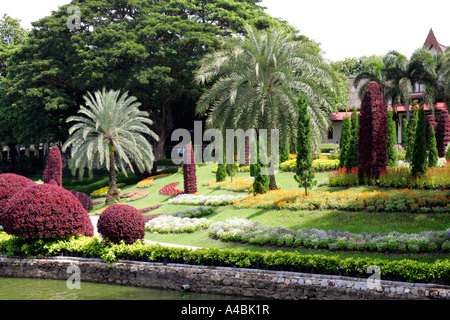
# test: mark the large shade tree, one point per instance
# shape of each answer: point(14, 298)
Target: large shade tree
point(110, 130)
point(149, 48)
point(257, 81)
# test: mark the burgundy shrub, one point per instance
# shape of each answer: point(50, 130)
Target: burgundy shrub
point(430, 120)
point(53, 169)
point(121, 222)
point(84, 199)
point(10, 184)
point(46, 210)
point(189, 171)
point(372, 155)
point(442, 133)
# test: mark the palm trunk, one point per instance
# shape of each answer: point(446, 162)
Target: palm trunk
point(113, 193)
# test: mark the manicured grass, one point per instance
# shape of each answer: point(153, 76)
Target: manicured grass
point(355, 222)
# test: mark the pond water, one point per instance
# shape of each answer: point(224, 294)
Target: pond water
point(45, 289)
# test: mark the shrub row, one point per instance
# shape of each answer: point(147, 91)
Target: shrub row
point(399, 270)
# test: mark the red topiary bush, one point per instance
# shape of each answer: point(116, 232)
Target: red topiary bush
point(10, 184)
point(121, 222)
point(84, 199)
point(189, 171)
point(53, 169)
point(372, 137)
point(46, 210)
point(442, 133)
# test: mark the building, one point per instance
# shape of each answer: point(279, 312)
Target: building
point(334, 134)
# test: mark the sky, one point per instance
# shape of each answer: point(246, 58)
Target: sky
point(344, 28)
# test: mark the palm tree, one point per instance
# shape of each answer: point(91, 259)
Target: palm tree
point(258, 81)
point(429, 69)
point(110, 129)
point(398, 85)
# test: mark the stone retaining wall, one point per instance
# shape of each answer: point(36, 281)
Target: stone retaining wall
point(219, 280)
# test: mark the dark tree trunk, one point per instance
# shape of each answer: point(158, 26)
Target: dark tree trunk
point(113, 193)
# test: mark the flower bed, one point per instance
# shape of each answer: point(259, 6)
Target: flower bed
point(251, 232)
point(171, 224)
point(169, 190)
point(135, 195)
point(104, 191)
point(198, 199)
point(321, 164)
point(238, 184)
point(145, 183)
point(397, 177)
point(199, 212)
point(425, 201)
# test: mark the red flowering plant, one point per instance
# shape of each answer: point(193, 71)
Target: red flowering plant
point(53, 169)
point(45, 210)
point(169, 190)
point(121, 222)
point(10, 184)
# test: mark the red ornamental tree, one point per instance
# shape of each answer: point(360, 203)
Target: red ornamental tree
point(53, 169)
point(46, 210)
point(10, 184)
point(372, 156)
point(189, 170)
point(430, 120)
point(442, 133)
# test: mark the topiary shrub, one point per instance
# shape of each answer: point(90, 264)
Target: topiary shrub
point(443, 133)
point(121, 222)
point(53, 169)
point(430, 120)
point(10, 184)
point(84, 199)
point(46, 210)
point(372, 147)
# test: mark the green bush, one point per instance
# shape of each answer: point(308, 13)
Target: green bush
point(401, 270)
point(328, 147)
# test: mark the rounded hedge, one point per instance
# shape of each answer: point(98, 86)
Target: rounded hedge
point(46, 210)
point(121, 222)
point(84, 199)
point(10, 184)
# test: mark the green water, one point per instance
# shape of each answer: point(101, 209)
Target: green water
point(44, 289)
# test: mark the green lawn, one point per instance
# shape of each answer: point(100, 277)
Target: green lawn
point(355, 222)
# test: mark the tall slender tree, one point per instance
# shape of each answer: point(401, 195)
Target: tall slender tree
point(304, 174)
point(351, 160)
point(391, 140)
point(344, 143)
point(110, 129)
point(419, 155)
point(432, 149)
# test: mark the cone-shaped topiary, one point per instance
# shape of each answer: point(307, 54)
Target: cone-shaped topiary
point(345, 140)
point(10, 184)
point(121, 222)
point(391, 140)
point(442, 133)
point(372, 148)
point(189, 170)
point(429, 121)
point(432, 150)
point(46, 210)
point(221, 173)
point(351, 160)
point(53, 169)
point(84, 199)
point(419, 155)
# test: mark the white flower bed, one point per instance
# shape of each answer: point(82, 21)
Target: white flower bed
point(199, 199)
point(171, 224)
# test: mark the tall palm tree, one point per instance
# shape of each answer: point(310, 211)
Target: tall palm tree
point(429, 69)
point(257, 82)
point(398, 85)
point(110, 129)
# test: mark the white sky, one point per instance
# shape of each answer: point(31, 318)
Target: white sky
point(344, 28)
